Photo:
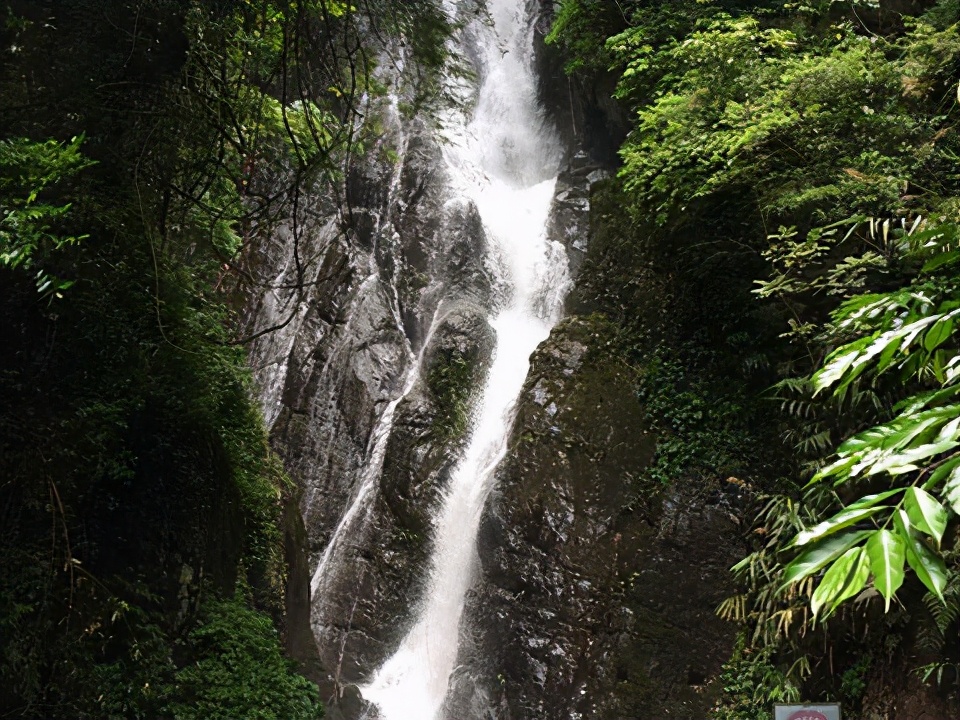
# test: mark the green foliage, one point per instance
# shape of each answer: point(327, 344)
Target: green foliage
point(701, 426)
point(29, 226)
point(837, 127)
point(581, 28)
point(853, 682)
point(239, 671)
point(752, 684)
point(131, 452)
point(130, 449)
point(450, 381)
point(911, 456)
point(806, 130)
point(822, 131)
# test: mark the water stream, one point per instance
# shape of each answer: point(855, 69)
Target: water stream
point(503, 158)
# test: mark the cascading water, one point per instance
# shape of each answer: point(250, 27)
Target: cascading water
point(504, 160)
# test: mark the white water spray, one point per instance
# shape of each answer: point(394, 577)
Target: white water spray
point(504, 160)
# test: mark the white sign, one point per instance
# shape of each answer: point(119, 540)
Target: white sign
point(824, 711)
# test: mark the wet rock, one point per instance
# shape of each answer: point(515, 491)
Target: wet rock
point(364, 305)
point(592, 603)
point(570, 217)
point(383, 298)
point(590, 120)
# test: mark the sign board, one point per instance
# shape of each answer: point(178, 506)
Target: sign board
point(823, 711)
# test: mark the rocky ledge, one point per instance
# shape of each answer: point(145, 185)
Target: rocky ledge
point(595, 602)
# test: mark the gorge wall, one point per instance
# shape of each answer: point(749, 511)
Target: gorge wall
point(591, 602)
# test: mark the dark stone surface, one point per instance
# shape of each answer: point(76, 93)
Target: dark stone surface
point(585, 607)
point(589, 119)
point(594, 603)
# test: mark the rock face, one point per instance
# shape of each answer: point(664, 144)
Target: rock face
point(367, 304)
point(592, 602)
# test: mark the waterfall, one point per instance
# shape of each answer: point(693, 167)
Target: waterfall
point(503, 158)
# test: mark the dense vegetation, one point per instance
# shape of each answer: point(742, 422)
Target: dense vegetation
point(790, 183)
point(143, 147)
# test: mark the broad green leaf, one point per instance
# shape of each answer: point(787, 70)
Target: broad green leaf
point(899, 463)
point(888, 355)
point(860, 306)
point(912, 430)
point(881, 343)
point(845, 578)
point(950, 431)
point(887, 553)
point(821, 554)
point(844, 518)
point(951, 370)
point(925, 513)
point(938, 334)
point(951, 488)
point(912, 405)
point(928, 566)
point(839, 467)
point(911, 331)
point(941, 259)
point(838, 364)
point(943, 471)
point(872, 438)
point(871, 500)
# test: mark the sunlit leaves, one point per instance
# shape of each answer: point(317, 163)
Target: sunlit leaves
point(841, 520)
point(739, 103)
point(909, 330)
point(845, 578)
point(929, 567)
point(916, 451)
point(887, 553)
point(820, 555)
point(925, 513)
point(833, 138)
point(951, 488)
point(30, 229)
point(897, 446)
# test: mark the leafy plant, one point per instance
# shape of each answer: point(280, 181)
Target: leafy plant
point(30, 227)
point(902, 477)
point(700, 425)
point(752, 684)
point(239, 671)
point(450, 382)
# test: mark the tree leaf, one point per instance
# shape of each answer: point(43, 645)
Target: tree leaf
point(845, 578)
point(944, 470)
point(821, 554)
point(938, 334)
point(925, 513)
point(887, 553)
point(899, 463)
point(840, 467)
point(871, 500)
point(928, 566)
point(951, 488)
point(842, 519)
point(838, 363)
point(888, 355)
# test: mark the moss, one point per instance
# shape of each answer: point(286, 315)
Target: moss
point(450, 384)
